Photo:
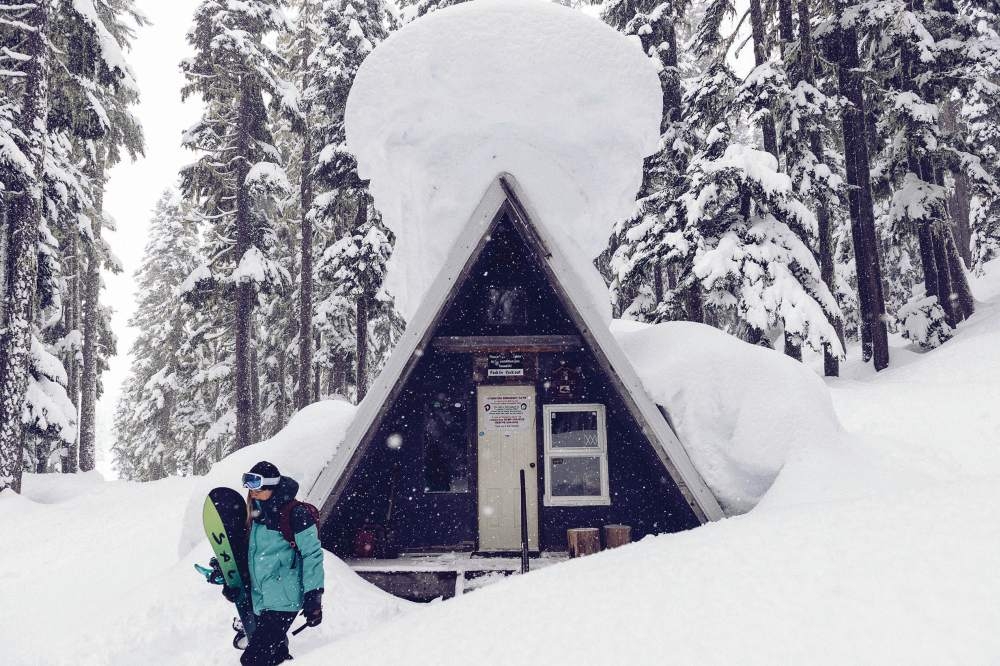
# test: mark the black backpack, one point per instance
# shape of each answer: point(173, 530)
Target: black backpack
point(285, 519)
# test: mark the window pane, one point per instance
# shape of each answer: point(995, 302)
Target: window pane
point(577, 430)
point(576, 477)
point(446, 447)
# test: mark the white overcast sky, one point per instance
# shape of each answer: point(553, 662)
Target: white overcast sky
point(133, 188)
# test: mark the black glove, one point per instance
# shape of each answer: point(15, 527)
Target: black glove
point(231, 593)
point(312, 607)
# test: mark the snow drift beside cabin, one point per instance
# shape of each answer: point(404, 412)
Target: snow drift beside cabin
point(739, 410)
point(560, 100)
point(301, 450)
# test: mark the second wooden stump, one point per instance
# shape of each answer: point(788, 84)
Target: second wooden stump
point(617, 535)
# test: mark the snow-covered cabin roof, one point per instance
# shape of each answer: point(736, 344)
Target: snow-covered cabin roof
point(570, 286)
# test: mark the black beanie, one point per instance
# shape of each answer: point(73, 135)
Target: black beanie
point(266, 470)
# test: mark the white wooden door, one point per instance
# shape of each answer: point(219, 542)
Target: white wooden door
point(506, 445)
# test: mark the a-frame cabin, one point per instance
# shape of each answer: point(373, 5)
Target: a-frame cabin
point(506, 366)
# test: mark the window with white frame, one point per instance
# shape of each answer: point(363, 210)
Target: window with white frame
point(576, 455)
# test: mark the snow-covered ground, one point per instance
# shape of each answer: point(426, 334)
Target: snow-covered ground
point(96, 572)
point(882, 549)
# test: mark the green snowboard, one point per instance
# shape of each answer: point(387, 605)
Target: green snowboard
point(224, 517)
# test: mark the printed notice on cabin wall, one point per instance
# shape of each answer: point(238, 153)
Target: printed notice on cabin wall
point(507, 412)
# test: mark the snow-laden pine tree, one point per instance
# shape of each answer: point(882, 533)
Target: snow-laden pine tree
point(88, 91)
point(924, 53)
point(708, 192)
point(63, 71)
point(416, 8)
point(50, 413)
point(837, 32)
point(650, 273)
point(977, 114)
point(301, 66)
point(153, 437)
point(744, 224)
point(238, 181)
point(812, 158)
point(96, 100)
point(355, 265)
point(349, 30)
point(22, 156)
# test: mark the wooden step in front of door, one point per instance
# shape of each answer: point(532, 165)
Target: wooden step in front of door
point(424, 578)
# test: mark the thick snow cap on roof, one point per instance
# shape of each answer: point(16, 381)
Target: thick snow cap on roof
point(742, 411)
point(557, 98)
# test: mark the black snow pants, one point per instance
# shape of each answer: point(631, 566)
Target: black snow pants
point(269, 643)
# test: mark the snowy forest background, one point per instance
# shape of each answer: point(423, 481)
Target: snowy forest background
point(836, 193)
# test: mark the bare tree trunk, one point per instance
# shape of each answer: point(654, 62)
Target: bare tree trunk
point(927, 261)
point(316, 369)
point(305, 200)
point(282, 371)
point(23, 218)
point(91, 322)
point(961, 294)
point(831, 365)
point(760, 57)
point(657, 282)
point(361, 312)
point(361, 330)
point(244, 289)
point(793, 347)
point(255, 387)
point(959, 278)
point(947, 295)
point(338, 376)
point(693, 303)
point(770, 132)
point(786, 30)
point(70, 460)
point(672, 86)
point(960, 201)
point(875, 336)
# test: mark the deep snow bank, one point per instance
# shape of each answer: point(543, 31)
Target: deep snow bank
point(907, 579)
point(94, 575)
point(940, 405)
point(300, 450)
point(739, 410)
point(876, 546)
point(562, 101)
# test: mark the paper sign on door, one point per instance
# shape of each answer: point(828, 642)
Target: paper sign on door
point(507, 412)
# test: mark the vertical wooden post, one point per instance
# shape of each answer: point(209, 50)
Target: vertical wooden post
point(524, 527)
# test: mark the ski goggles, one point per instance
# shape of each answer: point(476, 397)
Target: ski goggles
point(256, 481)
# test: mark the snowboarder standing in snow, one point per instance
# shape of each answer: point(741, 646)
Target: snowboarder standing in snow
point(285, 561)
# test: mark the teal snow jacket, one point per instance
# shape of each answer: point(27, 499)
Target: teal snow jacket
point(279, 574)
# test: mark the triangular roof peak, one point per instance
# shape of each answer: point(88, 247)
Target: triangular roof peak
point(504, 198)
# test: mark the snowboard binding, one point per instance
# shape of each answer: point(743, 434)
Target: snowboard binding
point(212, 573)
point(240, 640)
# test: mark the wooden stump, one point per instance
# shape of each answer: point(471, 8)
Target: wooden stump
point(617, 535)
point(582, 541)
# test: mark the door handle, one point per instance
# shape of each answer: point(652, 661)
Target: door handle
point(531, 465)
